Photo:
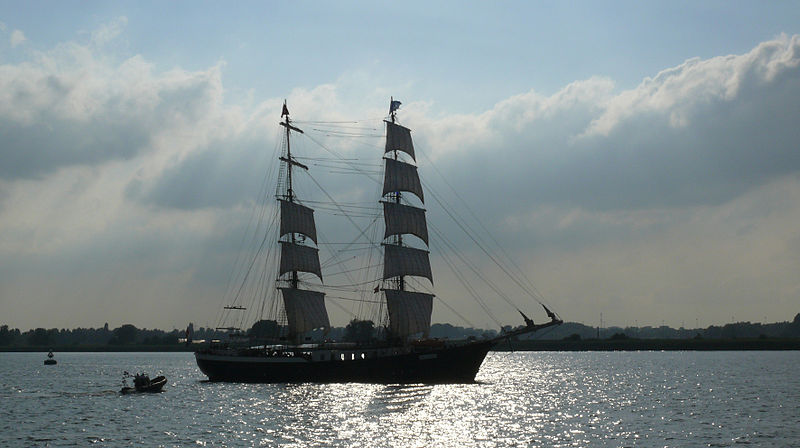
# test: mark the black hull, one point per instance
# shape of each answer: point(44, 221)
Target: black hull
point(454, 364)
point(156, 384)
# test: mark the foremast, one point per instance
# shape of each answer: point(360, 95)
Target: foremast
point(409, 311)
point(305, 309)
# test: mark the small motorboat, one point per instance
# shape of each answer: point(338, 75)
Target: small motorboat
point(142, 383)
point(50, 361)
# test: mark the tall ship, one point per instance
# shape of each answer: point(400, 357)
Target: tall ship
point(293, 344)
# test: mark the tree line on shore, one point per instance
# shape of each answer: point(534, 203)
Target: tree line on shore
point(128, 334)
point(735, 330)
point(124, 335)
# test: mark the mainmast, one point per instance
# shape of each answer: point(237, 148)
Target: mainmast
point(409, 312)
point(393, 106)
point(305, 309)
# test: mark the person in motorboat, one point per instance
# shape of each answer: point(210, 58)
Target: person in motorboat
point(142, 383)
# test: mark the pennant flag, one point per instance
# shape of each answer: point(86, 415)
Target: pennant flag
point(285, 110)
point(394, 105)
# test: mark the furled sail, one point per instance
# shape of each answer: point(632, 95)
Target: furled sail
point(296, 257)
point(296, 218)
point(409, 312)
point(401, 219)
point(305, 310)
point(401, 260)
point(399, 138)
point(401, 176)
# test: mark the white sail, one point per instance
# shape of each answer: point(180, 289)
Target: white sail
point(401, 260)
point(296, 218)
point(305, 310)
point(401, 219)
point(409, 312)
point(401, 176)
point(399, 138)
point(295, 257)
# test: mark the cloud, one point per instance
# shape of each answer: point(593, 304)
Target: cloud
point(68, 107)
point(226, 169)
point(17, 38)
point(109, 31)
point(700, 133)
point(221, 175)
point(113, 167)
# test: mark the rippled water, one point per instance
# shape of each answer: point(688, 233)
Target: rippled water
point(521, 399)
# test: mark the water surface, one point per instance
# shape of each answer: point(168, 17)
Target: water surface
point(544, 399)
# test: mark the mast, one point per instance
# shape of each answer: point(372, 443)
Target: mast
point(409, 311)
point(305, 309)
point(401, 283)
point(289, 192)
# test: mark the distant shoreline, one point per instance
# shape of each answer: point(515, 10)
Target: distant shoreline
point(100, 348)
point(766, 344)
point(651, 344)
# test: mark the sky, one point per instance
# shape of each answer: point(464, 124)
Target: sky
point(637, 159)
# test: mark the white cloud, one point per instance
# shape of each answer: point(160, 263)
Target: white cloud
point(68, 107)
point(17, 38)
point(109, 31)
point(678, 92)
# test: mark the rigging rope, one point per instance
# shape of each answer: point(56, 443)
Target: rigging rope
point(533, 291)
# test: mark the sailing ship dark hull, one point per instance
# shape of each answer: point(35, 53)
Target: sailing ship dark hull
point(452, 364)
